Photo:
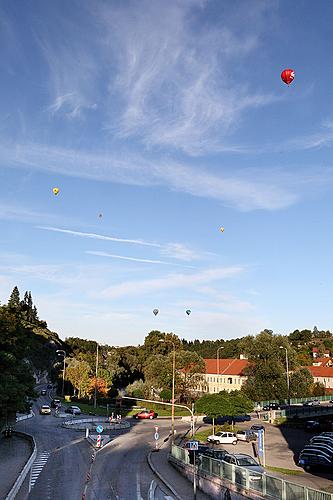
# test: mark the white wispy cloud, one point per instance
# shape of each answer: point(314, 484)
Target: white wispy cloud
point(173, 74)
point(9, 211)
point(169, 282)
point(95, 236)
point(180, 251)
point(233, 189)
point(135, 259)
point(70, 104)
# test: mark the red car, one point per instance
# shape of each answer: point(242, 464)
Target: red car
point(146, 414)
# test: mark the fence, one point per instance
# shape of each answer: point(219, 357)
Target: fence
point(265, 485)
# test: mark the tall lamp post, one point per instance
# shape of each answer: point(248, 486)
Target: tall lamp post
point(287, 372)
point(218, 366)
point(61, 352)
point(173, 387)
point(96, 373)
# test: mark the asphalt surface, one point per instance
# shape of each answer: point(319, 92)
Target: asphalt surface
point(120, 470)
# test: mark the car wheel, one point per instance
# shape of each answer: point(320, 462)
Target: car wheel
point(151, 417)
point(234, 442)
point(307, 468)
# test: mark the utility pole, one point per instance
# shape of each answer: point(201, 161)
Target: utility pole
point(61, 352)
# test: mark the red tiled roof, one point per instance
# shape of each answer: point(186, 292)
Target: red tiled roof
point(321, 371)
point(323, 361)
point(227, 366)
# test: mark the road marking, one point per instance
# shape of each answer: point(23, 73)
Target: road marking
point(38, 466)
point(138, 490)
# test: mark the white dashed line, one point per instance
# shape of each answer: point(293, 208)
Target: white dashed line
point(38, 466)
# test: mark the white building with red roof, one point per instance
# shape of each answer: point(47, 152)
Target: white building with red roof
point(323, 374)
point(226, 374)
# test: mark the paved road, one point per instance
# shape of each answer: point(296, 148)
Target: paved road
point(119, 472)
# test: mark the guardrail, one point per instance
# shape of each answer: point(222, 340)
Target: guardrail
point(249, 482)
point(24, 417)
point(122, 424)
point(19, 481)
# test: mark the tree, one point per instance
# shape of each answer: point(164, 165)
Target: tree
point(101, 387)
point(301, 382)
point(267, 370)
point(14, 300)
point(318, 389)
point(224, 404)
point(77, 372)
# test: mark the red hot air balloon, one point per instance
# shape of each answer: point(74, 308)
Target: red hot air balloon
point(287, 76)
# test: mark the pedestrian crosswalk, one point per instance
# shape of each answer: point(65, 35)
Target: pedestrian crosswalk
point(38, 466)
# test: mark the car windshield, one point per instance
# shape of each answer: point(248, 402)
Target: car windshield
point(246, 461)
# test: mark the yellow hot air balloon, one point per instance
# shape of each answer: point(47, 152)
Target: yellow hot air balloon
point(222, 229)
point(55, 190)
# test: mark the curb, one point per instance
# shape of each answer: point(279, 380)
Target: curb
point(167, 484)
point(26, 469)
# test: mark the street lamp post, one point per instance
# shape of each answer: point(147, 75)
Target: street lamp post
point(218, 366)
point(96, 373)
point(173, 387)
point(287, 372)
point(61, 352)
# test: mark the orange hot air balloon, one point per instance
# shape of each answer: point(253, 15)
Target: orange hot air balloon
point(287, 76)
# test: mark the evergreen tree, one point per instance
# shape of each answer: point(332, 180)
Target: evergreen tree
point(14, 300)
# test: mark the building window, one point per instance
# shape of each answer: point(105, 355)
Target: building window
point(230, 380)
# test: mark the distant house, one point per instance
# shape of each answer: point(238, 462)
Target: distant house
point(315, 352)
point(323, 374)
point(326, 361)
point(224, 374)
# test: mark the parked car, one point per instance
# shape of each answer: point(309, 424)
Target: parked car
point(272, 406)
point(256, 428)
point(322, 439)
point(246, 435)
point(324, 447)
point(315, 460)
point(247, 462)
point(200, 451)
point(43, 392)
point(74, 410)
point(55, 403)
point(146, 414)
point(312, 425)
point(223, 438)
point(217, 454)
point(312, 402)
point(45, 410)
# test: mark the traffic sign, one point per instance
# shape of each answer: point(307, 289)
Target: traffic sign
point(156, 436)
point(99, 429)
point(156, 428)
point(98, 441)
point(193, 445)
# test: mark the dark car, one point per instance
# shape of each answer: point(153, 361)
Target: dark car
point(55, 403)
point(256, 428)
point(74, 410)
point(216, 454)
point(146, 414)
point(200, 451)
point(272, 406)
point(315, 460)
point(312, 425)
point(49, 386)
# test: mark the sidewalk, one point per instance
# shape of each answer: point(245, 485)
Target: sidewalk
point(170, 476)
point(14, 454)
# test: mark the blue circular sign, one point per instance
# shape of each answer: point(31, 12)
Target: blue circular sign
point(99, 429)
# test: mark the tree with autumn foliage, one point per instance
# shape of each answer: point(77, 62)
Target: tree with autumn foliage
point(100, 385)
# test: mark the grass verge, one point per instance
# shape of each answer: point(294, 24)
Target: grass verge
point(289, 472)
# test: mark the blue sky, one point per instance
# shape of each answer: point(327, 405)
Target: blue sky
point(170, 120)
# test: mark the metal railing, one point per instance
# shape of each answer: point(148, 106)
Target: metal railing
point(265, 485)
